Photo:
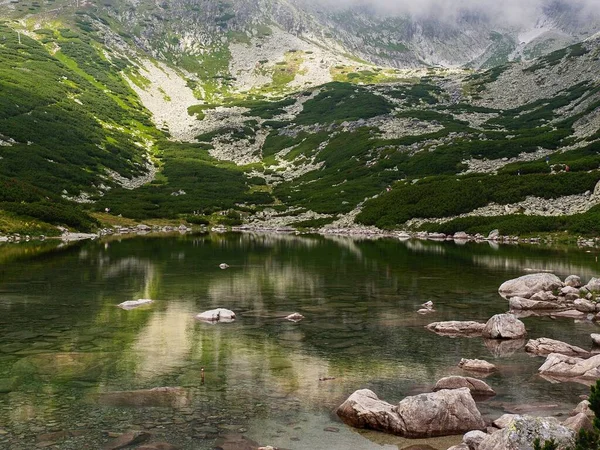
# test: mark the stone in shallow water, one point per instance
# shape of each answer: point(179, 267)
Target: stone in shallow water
point(545, 346)
point(477, 387)
point(131, 304)
point(457, 328)
point(504, 326)
point(217, 315)
point(476, 365)
point(528, 285)
point(127, 439)
point(174, 397)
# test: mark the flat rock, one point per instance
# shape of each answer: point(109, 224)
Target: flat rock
point(217, 315)
point(504, 326)
point(528, 285)
point(131, 304)
point(476, 365)
point(457, 328)
point(545, 346)
point(526, 304)
point(127, 439)
point(544, 296)
point(568, 367)
point(477, 387)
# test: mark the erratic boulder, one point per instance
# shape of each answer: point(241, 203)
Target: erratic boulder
point(477, 387)
point(520, 433)
point(504, 326)
point(545, 346)
point(457, 328)
point(443, 413)
point(528, 285)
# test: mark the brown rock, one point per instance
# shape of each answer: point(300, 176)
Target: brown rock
point(126, 439)
point(545, 346)
point(174, 397)
point(236, 442)
point(579, 422)
point(476, 365)
point(457, 328)
point(157, 446)
point(504, 326)
point(442, 413)
point(566, 367)
point(477, 387)
point(583, 407)
point(363, 409)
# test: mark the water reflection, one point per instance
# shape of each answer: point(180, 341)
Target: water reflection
point(68, 355)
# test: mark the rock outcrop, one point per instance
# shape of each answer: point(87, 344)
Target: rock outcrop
point(442, 413)
point(504, 326)
point(529, 285)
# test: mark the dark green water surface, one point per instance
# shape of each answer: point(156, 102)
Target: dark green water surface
point(65, 347)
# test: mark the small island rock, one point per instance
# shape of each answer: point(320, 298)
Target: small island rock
point(528, 285)
point(476, 365)
point(217, 315)
point(504, 326)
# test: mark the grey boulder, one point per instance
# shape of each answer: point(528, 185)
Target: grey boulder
point(477, 387)
point(528, 285)
point(567, 367)
point(504, 326)
point(545, 346)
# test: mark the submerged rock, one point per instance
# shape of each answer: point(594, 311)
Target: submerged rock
point(442, 413)
point(131, 304)
point(502, 348)
point(217, 315)
point(294, 317)
point(476, 365)
point(127, 439)
point(545, 346)
point(173, 397)
point(457, 328)
point(504, 326)
point(528, 285)
point(477, 387)
point(522, 430)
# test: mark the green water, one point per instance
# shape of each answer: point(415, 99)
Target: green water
point(64, 344)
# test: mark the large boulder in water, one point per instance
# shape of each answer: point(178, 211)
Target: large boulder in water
point(545, 346)
point(567, 367)
point(528, 285)
point(520, 433)
point(364, 409)
point(217, 315)
point(504, 326)
point(443, 413)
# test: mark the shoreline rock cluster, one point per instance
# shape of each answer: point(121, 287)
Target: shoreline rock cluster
point(432, 414)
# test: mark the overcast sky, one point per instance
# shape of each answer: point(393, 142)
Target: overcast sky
point(510, 11)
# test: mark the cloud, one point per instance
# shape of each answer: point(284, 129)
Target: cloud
point(509, 12)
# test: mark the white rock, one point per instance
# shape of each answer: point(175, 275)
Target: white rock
point(476, 365)
point(294, 317)
point(595, 339)
point(223, 266)
point(130, 304)
point(217, 315)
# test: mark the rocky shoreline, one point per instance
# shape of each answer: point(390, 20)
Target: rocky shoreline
point(452, 409)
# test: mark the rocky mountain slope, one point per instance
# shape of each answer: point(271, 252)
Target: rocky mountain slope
point(257, 112)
